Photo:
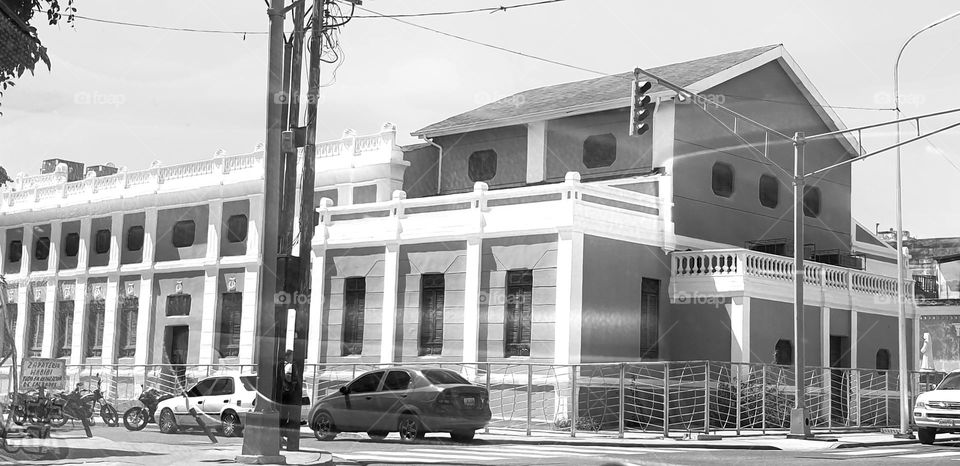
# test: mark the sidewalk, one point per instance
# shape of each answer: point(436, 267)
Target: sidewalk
point(73, 448)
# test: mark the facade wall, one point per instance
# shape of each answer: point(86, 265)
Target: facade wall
point(420, 178)
point(340, 265)
point(498, 256)
point(67, 262)
point(231, 208)
point(696, 331)
point(880, 332)
point(135, 219)
point(510, 144)
point(566, 136)
point(13, 234)
point(164, 286)
point(612, 275)
point(771, 321)
point(166, 219)
point(449, 259)
point(96, 259)
point(39, 231)
point(700, 142)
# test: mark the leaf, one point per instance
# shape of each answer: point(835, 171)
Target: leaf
point(44, 57)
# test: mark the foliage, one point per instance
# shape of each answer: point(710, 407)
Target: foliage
point(20, 47)
point(4, 177)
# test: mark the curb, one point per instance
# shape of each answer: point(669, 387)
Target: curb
point(712, 445)
point(885, 443)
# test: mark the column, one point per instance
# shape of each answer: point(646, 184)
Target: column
point(149, 236)
point(388, 323)
point(83, 253)
point(254, 222)
point(855, 393)
point(471, 302)
point(208, 320)
point(316, 305)
point(53, 260)
point(109, 348)
point(569, 303)
point(214, 227)
point(854, 338)
point(116, 232)
point(664, 120)
point(50, 320)
point(80, 299)
point(3, 250)
point(536, 150)
point(27, 255)
point(739, 311)
point(824, 337)
point(248, 312)
point(144, 318)
point(23, 316)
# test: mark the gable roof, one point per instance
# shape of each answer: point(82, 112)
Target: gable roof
point(613, 91)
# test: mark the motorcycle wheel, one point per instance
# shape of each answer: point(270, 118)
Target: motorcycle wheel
point(135, 418)
point(17, 416)
point(109, 415)
point(57, 419)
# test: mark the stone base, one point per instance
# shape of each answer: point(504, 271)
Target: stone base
point(261, 436)
point(908, 435)
point(799, 424)
point(259, 459)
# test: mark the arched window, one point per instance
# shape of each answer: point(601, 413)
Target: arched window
point(722, 179)
point(599, 150)
point(783, 352)
point(811, 201)
point(769, 191)
point(883, 360)
point(482, 165)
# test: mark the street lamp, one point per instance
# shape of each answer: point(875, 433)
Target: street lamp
point(902, 318)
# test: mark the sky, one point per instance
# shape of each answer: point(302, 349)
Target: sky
point(133, 95)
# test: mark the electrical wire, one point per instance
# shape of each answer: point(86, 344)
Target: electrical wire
point(167, 28)
point(494, 9)
point(938, 150)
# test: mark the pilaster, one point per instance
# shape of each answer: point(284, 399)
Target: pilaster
point(471, 302)
point(248, 313)
point(536, 151)
point(739, 311)
point(316, 305)
point(27, 255)
point(49, 320)
point(208, 320)
point(388, 326)
point(109, 347)
point(116, 240)
point(83, 252)
point(214, 227)
point(149, 236)
point(569, 302)
point(80, 298)
point(144, 318)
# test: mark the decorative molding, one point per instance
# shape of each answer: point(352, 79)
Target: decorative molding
point(231, 283)
point(131, 289)
point(179, 286)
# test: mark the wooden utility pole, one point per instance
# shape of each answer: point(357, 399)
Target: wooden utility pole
point(261, 444)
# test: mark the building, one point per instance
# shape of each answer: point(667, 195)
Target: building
point(531, 229)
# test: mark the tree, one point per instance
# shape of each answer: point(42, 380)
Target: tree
point(20, 47)
point(4, 178)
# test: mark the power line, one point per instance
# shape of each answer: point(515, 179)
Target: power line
point(168, 28)
point(494, 9)
point(938, 150)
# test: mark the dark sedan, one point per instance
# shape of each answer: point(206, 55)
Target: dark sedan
point(409, 401)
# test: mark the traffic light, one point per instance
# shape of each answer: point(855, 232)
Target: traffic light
point(638, 107)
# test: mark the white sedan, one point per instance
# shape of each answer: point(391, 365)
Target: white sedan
point(220, 402)
point(938, 410)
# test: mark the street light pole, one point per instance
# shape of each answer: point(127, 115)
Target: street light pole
point(901, 312)
point(799, 423)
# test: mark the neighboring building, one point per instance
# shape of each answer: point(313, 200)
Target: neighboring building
point(935, 268)
point(531, 229)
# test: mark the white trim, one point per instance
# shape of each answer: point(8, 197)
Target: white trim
point(471, 300)
point(569, 300)
point(536, 150)
point(697, 243)
point(824, 336)
point(739, 312)
point(317, 280)
point(108, 354)
point(388, 322)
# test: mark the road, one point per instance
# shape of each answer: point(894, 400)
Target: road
point(357, 449)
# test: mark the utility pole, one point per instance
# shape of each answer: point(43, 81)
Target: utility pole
point(799, 423)
point(261, 444)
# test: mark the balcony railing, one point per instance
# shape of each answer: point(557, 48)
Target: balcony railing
point(729, 272)
point(52, 189)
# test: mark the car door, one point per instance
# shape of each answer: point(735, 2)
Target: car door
point(391, 398)
point(195, 399)
point(221, 394)
point(360, 411)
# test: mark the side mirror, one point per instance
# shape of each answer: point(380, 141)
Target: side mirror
point(344, 390)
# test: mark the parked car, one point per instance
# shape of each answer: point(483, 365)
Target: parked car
point(405, 400)
point(938, 410)
point(222, 402)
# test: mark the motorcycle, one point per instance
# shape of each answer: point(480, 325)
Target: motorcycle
point(36, 407)
point(137, 417)
point(82, 404)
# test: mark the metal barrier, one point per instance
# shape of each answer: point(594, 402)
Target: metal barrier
point(608, 399)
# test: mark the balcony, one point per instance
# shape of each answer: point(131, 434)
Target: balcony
point(592, 208)
point(739, 272)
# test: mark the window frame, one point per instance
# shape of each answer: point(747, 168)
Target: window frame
point(64, 329)
point(783, 344)
point(135, 240)
point(41, 246)
point(71, 244)
point(649, 318)
point(35, 325)
point(15, 248)
point(172, 303)
point(883, 355)
point(479, 163)
point(178, 233)
point(237, 236)
point(101, 241)
point(94, 331)
point(811, 194)
point(127, 337)
point(354, 310)
point(379, 376)
point(518, 320)
point(430, 331)
point(718, 178)
point(769, 199)
point(604, 154)
point(230, 322)
point(386, 381)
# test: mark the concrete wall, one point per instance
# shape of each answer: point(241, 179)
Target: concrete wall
point(163, 286)
point(771, 321)
point(700, 142)
point(97, 224)
point(880, 332)
point(126, 255)
point(612, 273)
point(165, 250)
point(565, 138)
point(695, 332)
point(448, 258)
point(342, 264)
point(67, 262)
point(39, 231)
point(420, 178)
point(499, 255)
point(13, 234)
point(241, 207)
point(510, 144)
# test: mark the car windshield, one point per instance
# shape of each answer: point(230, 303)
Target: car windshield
point(249, 383)
point(441, 377)
point(951, 382)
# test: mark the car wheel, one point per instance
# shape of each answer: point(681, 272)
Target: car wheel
point(462, 435)
point(927, 435)
point(410, 428)
point(377, 434)
point(323, 427)
point(168, 424)
point(230, 424)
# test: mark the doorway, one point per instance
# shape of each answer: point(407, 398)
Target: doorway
point(839, 379)
point(176, 343)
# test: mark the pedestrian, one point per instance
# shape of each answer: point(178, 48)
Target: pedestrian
point(287, 385)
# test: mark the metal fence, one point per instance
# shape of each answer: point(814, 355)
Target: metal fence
point(609, 399)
